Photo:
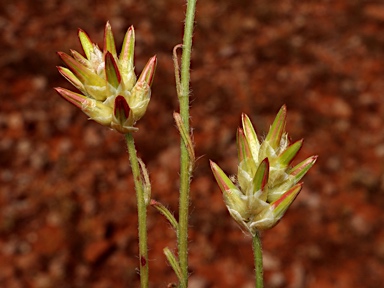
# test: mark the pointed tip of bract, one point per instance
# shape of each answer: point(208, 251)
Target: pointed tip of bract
point(281, 205)
point(244, 119)
point(153, 202)
point(303, 167)
point(85, 42)
point(84, 74)
point(109, 41)
point(212, 164)
point(222, 179)
point(148, 72)
point(251, 136)
point(287, 156)
point(60, 54)
point(243, 149)
point(128, 50)
point(72, 97)
point(67, 74)
point(277, 128)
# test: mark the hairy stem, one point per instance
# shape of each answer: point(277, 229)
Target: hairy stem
point(258, 255)
point(141, 211)
point(185, 172)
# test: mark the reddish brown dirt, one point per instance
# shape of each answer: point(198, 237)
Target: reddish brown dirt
point(67, 204)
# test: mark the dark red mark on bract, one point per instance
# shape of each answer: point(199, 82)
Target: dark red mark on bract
point(121, 109)
point(143, 262)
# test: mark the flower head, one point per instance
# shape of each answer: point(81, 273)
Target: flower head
point(109, 94)
point(266, 184)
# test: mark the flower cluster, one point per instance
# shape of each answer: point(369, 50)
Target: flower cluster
point(110, 93)
point(266, 184)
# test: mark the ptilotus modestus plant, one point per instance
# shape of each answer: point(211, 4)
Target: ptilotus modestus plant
point(266, 184)
point(111, 94)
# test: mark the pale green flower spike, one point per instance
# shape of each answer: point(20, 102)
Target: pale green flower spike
point(111, 94)
point(266, 184)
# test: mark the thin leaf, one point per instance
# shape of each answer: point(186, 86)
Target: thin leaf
point(173, 262)
point(185, 136)
point(166, 213)
point(145, 181)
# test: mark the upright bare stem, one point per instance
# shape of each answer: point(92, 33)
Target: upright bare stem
point(258, 256)
point(185, 173)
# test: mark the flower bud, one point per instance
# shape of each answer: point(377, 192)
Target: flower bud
point(266, 184)
point(111, 95)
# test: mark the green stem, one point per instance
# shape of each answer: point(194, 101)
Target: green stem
point(258, 255)
point(185, 173)
point(141, 211)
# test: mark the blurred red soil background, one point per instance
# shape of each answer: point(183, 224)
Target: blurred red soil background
point(67, 203)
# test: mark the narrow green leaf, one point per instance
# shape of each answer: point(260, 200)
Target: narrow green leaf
point(145, 180)
point(177, 68)
point(173, 262)
point(166, 213)
point(185, 136)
